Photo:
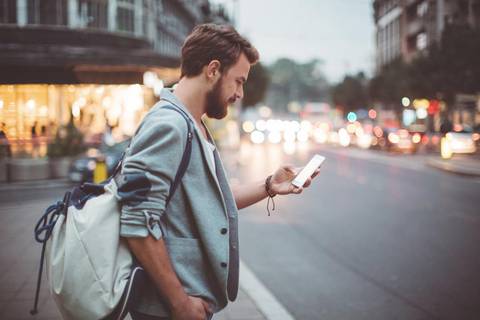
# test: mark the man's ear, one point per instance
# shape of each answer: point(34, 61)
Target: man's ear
point(213, 70)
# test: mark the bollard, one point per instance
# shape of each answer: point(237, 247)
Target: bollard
point(100, 173)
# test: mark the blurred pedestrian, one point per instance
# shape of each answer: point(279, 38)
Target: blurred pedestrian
point(107, 138)
point(446, 126)
point(190, 249)
point(4, 143)
point(33, 130)
point(34, 139)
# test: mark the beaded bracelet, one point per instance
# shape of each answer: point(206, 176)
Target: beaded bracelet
point(270, 194)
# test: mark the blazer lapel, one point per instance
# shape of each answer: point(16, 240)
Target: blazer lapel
point(170, 97)
point(206, 150)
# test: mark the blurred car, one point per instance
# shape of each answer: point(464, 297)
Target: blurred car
point(81, 169)
point(476, 135)
point(365, 140)
point(398, 140)
point(476, 138)
point(431, 141)
point(459, 143)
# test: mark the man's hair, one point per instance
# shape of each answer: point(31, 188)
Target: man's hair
point(209, 42)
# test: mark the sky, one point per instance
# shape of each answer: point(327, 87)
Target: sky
point(338, 32)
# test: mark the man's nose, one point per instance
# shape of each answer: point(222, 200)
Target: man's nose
point(239, 94)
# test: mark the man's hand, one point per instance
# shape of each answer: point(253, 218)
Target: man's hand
point(192, 309)
point(281, 182)
point(154, 258)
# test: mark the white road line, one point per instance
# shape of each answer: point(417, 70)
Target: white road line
point(381, 159)
point(266, 302)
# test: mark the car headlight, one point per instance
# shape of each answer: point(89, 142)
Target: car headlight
point(393, 138)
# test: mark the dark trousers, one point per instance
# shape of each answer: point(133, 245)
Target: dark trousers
point(141, 316)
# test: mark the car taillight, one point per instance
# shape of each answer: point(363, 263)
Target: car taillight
point(425, 140)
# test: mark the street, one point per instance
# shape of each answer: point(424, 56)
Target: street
point(374, 237)
point(387, 92)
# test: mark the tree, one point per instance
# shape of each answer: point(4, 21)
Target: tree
point(444, 70)
point(456, 61)
point(390, 85)
point(256, 86)
point(351, 93)
point(292, 81)
point(68, 142)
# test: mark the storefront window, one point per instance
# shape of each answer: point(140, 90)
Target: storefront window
point(148, 16)
point(47, 12)
point(94, 13)
point(126, 15)
point(31, 114)
point(8, 11)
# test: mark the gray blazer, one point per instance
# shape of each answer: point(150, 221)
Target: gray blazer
point(199, 226)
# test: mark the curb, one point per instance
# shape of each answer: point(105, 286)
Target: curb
point(36, 185)
point(456, 168)
point(265, 301)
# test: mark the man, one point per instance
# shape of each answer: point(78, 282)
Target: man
point(190, 248)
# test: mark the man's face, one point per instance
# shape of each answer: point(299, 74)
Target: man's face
point(228, 88)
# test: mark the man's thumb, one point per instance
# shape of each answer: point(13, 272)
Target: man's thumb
point(290, 169)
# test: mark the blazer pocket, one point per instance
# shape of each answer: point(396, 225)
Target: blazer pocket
point(189, 262)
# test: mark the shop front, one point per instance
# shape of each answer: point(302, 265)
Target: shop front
point(33, 118)
point(30, 115)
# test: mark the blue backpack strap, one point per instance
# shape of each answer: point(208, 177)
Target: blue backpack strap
point(137, 274)
point(43, 230)
point(186, 153)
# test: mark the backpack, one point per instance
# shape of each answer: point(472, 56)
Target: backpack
point(89, 267)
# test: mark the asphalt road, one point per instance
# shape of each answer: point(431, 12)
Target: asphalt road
point(374, 237)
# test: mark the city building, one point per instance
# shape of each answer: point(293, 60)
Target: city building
point(388, 15)
point(98, 63)
point(405, 28)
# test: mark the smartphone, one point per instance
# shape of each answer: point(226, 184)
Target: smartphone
point(308, 170)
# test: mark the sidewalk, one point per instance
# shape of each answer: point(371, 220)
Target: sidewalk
point(36, 184)
point(19, 259)
point(463, 165)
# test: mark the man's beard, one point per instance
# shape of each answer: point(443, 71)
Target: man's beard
point(216, 108)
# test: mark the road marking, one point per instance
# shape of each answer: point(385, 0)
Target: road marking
point(380, 159)
point(266, 302)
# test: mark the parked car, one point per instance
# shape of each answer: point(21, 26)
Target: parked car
point(459, 143)
point(398, 140)
point(81, 169)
